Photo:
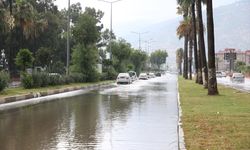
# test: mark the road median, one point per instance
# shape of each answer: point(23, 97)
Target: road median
point(19, 94)
point(214, 122)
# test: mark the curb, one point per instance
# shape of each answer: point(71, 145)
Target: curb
point(50, 92)
point(181, 142)
point(240, 90)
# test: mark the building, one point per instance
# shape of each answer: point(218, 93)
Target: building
point(224, 65)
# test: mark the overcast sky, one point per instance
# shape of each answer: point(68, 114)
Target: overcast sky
point(140, 11)
point(134, 15)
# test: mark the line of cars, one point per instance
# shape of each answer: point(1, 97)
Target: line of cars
point(131, 76)
point(234, 77)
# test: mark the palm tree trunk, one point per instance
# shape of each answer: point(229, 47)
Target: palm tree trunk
point(190, 59)
point(202, 44)
point(180, 67)
point(212, 82)
point(185, 69)
point(195, 42)
point(200, 78)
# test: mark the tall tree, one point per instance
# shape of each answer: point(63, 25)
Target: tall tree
point(87, 33)
point(212, 82)
point(158, 58)
point(196, 60)
point(121, 52)
point(179, 59)
point(138, 58)
point(201, 43)
point(190, 58)
point(184, 9)
point(183, 32)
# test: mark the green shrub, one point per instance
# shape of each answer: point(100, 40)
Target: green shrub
point(66, 79)
point(54, 79)
point(45, 79)
point(4, 80)
point(109, 74)
point(37, 79)
point(77, 77)
point(40, 79)
point(27, 80)
point(93, 76)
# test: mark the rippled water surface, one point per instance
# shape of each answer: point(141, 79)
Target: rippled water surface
point(140, 116)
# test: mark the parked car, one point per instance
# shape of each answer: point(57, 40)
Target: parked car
point(123, 78)
point(238, 77)
point(143, 76)
point(220, 74)
point(158, 74)
point(151, 75)
point(133, 75)
point(55, 75)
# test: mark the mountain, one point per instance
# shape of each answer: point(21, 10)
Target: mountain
point(231, 22)
point(232, 26)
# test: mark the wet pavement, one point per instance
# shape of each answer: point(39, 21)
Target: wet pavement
point(240, 86)
point(140, 116)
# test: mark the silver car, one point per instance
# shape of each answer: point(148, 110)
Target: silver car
point(238, 78)
point(143, 76)
point(123, 78)
point(220, 74)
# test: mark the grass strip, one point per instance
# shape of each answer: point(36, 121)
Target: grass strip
point(20, 90)
point(214, 122)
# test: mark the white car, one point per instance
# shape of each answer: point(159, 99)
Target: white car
point(238, 77)
point(133, 75)
point(143, 76)
point(123, 78)
point(220, 74)
point(151, 75)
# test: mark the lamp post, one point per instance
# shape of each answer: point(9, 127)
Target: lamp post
point(68, 34)
point(111, 27)
point(139, 33)
point(149, 45)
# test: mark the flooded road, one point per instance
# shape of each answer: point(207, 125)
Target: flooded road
point(140, 116)
point(241, 86)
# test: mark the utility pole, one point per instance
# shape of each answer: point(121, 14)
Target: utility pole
point(139, 34)
point(68, 34)
point(111, 22)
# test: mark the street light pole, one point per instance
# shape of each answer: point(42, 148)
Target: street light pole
point(139, 33)
point(68, 34)
point(111, 22)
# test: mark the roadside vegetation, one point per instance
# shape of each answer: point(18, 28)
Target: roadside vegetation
point(214, 122)
point(33, 35)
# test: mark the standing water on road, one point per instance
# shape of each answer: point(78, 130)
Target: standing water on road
point(139, 116)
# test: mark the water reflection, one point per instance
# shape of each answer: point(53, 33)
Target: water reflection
point(140, 116)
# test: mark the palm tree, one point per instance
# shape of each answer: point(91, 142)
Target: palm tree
point(183, 31)
point(190, 57)
point(196, 58)
point(212, 82)
point(201, 43)
point(179, 58)
point(191, 5)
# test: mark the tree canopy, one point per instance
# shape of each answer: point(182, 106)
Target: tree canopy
point(158, 58)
